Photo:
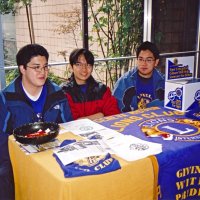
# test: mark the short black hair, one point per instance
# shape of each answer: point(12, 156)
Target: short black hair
point(26, 53)
point(73, 58)
point(148, 46)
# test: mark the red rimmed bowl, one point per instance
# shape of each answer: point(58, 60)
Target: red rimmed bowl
point(36, 133)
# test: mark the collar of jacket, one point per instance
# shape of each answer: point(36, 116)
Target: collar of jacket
point(14, 92)
point(91, 82)
point(156, 74)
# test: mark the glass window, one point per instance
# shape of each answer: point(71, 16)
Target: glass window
point(175, 25)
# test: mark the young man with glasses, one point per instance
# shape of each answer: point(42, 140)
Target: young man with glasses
point(31, 97)
point(87, 97)
point(144, 86)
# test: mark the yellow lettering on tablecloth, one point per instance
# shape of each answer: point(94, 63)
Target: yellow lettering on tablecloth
point(122, 124)
point(185, 183)
point(110, 118)
point(188, 193)
point(159, 194)
point(188, 170)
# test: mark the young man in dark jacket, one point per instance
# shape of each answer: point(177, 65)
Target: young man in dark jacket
point(144, 86)
point(31, 97)
point(87, 97)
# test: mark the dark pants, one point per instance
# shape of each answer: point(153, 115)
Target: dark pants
point(6, 173)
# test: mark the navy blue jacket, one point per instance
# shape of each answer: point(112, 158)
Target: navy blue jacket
point(18, 111)
point(15, 111)
point(125, 90)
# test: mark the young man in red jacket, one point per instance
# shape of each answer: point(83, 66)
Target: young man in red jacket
point(87, 97)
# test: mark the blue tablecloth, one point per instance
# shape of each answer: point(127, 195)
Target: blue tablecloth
point(179, 163)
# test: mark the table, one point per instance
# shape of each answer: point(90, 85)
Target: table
point(172, 174)
point(38, 176)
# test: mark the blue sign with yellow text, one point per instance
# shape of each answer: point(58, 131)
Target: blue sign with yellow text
point(178, 68)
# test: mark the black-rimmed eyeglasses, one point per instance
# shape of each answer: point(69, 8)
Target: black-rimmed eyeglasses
point(147, 60)
point(39, 69)
point(81, 65)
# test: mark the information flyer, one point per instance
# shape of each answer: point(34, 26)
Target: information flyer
point(178, 68)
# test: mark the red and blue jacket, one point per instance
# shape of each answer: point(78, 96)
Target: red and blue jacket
point(97, 98)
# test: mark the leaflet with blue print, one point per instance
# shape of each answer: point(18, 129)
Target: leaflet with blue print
point(29, 148)
point(81, 149)
point(127, 147)
point(92, 165)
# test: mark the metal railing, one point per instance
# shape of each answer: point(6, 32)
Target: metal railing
point(108, 70)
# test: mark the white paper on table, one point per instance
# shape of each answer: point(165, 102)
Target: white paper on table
point(81, 126)
point(103, 134)
point(131, 148)
point(62, 130)
point(81, 149)
point(127, 147)
point(28, 148)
